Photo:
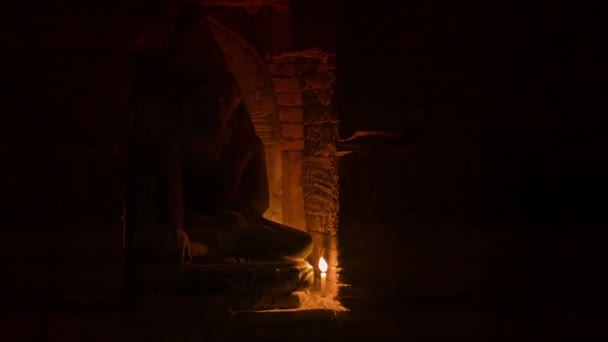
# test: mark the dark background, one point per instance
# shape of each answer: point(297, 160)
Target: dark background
point(497, 211)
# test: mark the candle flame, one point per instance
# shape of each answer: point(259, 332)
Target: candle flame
point(322, 265)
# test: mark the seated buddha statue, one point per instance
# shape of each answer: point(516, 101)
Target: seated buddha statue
point(198, 185)
point(214, 170)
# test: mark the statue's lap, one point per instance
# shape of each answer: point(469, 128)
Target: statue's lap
point(257, 265)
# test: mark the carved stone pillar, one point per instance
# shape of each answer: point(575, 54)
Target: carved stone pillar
point(304, 82)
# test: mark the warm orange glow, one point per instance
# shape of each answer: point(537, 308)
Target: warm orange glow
point(322, 265)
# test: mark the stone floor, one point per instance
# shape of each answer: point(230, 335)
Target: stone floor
point(311, 324)
point(318, 319)
point(502, 310)
point(201, 326)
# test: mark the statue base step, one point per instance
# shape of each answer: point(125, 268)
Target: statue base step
point(256, 285)
point(163, 301)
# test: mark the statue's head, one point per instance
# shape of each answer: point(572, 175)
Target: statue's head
point(208, 105)
point(218, 59)
point(207, 90)
point(193, 49)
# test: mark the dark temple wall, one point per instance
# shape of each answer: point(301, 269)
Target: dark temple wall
point(543, 162)
point(409, 228)
point(493, 217)
point(83, 52)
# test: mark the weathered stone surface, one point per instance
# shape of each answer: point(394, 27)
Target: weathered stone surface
point(320, 177)
point(320, 134)
point(291, 114)
point(283, 67)
point(318, 96)
point(289, 99)
point(318, 80)
point(319, 148)
point(292, 131)
point(327, 63)
point(274, 165)
point(307, 65)
point(323, 131)
point(318, 113)
point(264, 128)
point(293, 194)
point(286, 84)
point(325, 223)
point(321, 194)
point(320, 139)
point(292, 145)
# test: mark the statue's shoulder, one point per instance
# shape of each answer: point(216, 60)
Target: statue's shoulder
point(253, 140)
point(257, 147)
point(248, 140)
point(258, 144)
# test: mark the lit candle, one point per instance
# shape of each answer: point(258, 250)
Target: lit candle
point(323, 269)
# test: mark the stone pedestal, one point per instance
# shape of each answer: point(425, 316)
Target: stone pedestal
point(244, 285)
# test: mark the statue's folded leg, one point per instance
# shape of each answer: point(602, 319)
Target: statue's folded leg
point(262, 240)
point(271, 240)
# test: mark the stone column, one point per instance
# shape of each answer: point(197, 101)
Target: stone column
point(304, 82)
point(320, 160)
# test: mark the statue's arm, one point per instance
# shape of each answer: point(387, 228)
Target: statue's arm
point(254, 187)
